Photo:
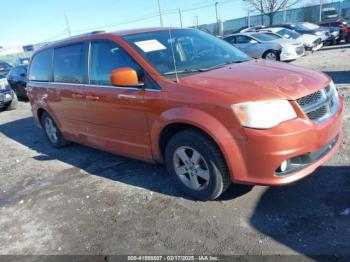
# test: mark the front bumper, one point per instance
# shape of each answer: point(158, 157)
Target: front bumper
point(289, 55)
point(5, 97)
point(263, 151)
point(317, 47)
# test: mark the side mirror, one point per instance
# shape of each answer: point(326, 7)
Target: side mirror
point(253, 41)
point(125, 76)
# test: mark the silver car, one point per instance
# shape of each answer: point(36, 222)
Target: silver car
point(267, 45)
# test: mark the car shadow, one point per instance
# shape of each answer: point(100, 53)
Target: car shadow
point(339, 77)
point(95, 162)
point(311, 216)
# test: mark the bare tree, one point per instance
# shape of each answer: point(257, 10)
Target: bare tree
point(270, 7)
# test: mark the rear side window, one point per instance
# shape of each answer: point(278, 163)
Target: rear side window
point(105, 57)
point(69, 64)
point(241, 39)
point(230, 39)
point(40, 69)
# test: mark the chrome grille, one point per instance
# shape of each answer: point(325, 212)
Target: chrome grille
point(318, 113)
point(310, 99)
point(321, 105)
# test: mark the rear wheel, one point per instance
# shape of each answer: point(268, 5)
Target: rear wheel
point(271, 55)
point(52, 132)
point(197, 165)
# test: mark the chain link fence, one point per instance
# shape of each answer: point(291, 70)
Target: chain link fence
point(308, 13)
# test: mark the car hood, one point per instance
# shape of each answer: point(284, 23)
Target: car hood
point(286, 41)
point(307, 38)
point(259, 80)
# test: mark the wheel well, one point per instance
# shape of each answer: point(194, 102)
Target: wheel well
point(270, 50)
point(169, 131)
point(40, 113)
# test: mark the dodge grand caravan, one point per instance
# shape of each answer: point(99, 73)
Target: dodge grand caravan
point(190, 100)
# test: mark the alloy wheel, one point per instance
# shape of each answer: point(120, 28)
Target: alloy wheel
point(191, 168)
point(51, 130)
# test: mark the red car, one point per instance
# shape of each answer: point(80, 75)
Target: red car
point(190, 100)
point(343, 25)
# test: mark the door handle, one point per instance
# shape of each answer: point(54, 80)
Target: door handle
point(92, 97)
point(77, 95)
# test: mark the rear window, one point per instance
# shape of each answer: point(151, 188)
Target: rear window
point(69, 64)
point(40, 68)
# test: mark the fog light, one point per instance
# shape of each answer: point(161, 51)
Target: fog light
point(283, 166)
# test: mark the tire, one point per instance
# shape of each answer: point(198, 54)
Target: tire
point(271, 55)
point(210, 165)
point(334, 41)
point(13, 104)
point(53, 134)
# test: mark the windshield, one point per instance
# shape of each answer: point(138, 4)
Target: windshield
point(330, 12)
point(4, 66)
point(193, 50)
point(266, 36)
point(306, 26)
point(288, 33)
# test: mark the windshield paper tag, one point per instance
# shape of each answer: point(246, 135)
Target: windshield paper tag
point(150, 45)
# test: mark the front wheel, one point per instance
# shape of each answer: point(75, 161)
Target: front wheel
point(197, 165)
point(271, 55)
point(52, 132)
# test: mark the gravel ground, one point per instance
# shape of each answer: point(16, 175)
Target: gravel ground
point(82, 201)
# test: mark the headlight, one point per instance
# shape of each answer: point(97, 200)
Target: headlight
point(333, 88)
point(264, 114)
point(3, 83)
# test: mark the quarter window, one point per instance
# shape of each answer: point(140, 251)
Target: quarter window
point(69, 64)
point(40, 68)
point(105, 57)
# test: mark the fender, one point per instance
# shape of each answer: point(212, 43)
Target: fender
point(208, 124)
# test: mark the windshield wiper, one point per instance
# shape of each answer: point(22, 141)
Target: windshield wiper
point(193, 70)
point(183, 71)
point(222, 65)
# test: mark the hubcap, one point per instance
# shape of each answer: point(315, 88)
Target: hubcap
point(271, 56)
point(191, 168)
point(51, 130)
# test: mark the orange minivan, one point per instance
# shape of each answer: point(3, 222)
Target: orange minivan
point(185, 98)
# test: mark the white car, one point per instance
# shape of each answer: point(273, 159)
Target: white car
point(311, 42)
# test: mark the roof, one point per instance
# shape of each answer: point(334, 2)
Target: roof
point(142, 30)
point(103, 33)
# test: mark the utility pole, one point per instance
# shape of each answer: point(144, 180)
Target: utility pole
point(160, 14)
point(217, 18)
point(180, 16)
point(196, 17)
point(67, 24)
point(321, 3)
point(248, 17)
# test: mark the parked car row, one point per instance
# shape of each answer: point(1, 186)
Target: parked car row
point(267, 45)
point(8, 98)
point(286, 42)
point(13, 82)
